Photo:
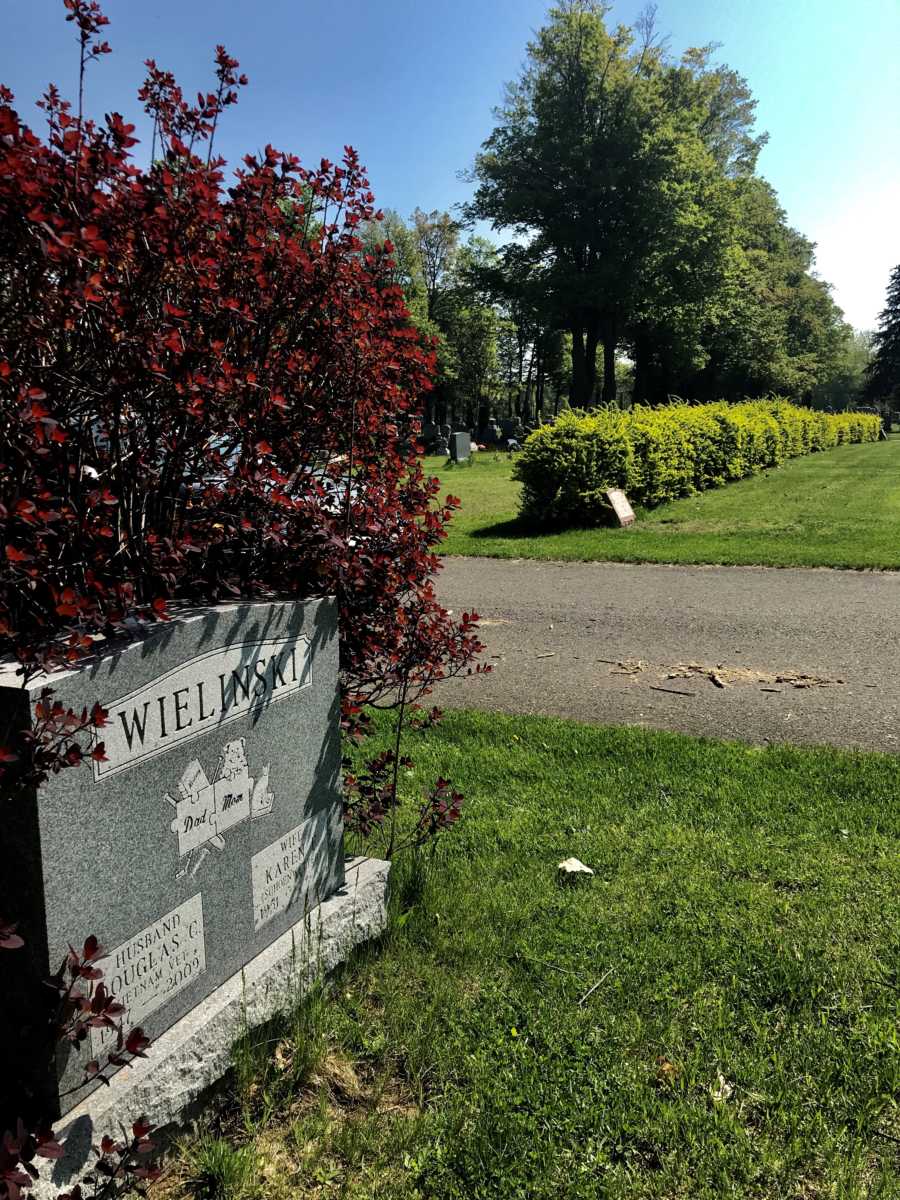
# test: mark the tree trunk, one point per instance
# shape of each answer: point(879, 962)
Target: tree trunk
point(665, 384)
point(592, 338)
point(539, 388)
point(641, 369)
point(578, 385)
point(527, 410)
point(610, 338)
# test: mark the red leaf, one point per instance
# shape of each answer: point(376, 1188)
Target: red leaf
point(9, 939)
point(49, 1149)
point(136, 1043)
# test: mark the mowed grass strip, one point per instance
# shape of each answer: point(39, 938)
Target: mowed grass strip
point(840, 508)
point(714, 1014)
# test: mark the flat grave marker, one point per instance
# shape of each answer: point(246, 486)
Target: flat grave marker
point(620, 506)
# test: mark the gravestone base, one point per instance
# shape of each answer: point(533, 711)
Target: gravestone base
point(194, 1054)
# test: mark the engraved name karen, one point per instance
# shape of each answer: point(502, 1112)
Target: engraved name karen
point(276, 871)
point(202, 694)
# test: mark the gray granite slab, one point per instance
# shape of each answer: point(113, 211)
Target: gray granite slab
point(460, 446)
point(195, 1053)
point(212, 827)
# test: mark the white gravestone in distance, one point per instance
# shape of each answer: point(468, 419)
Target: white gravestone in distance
point(620, 506)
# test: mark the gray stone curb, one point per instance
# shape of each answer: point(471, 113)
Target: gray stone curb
point(195, 1053)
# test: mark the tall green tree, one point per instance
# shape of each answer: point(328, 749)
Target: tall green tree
point(442, 281)
point(436, 237)
point(516, 280)
point(610, 179)
point(472, 325)
point(844, 386)
point(773, 326)
point(883, 375)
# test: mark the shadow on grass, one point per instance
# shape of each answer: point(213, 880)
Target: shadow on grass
point(518, 527)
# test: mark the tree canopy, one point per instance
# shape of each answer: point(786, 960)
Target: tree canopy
point(628, 177)
point(883, 375)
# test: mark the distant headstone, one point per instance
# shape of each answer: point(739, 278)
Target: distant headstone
point(460, 446)
point(490, 434)
point(212, 826)
point(620, 506)
point(512, 429)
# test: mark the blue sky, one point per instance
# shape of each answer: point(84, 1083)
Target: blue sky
point(411, 84)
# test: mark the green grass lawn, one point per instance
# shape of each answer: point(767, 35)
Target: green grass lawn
point(715, 1014)
point(837, 509)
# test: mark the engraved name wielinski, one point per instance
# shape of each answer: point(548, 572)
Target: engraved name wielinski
point(202, 694)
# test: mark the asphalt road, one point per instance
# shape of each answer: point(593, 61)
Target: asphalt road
point(595, 641)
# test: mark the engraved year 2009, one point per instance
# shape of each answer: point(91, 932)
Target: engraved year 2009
point(182, 975)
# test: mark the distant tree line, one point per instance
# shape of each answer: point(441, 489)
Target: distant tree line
point(647, 258)
point(882, 383)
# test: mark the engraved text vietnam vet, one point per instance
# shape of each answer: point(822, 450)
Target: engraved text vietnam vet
point(201, 695)
point(153, 966)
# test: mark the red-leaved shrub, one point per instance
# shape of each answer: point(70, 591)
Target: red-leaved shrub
point(208, 391)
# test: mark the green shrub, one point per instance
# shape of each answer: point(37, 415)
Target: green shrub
point(659, 454)
point(564, 458)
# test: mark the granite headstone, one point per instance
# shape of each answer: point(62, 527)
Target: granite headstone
point(512, 429)
point(490, 433)
point(211, 827)
point(460, 446)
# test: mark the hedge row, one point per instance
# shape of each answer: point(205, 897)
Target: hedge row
point(659, 454)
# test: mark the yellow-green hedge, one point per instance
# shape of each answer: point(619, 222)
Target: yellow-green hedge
point(658, 454)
